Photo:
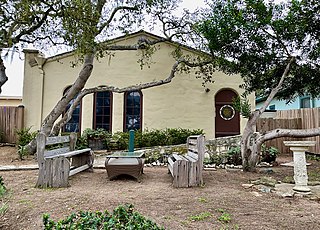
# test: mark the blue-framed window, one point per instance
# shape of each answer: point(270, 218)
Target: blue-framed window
point(102, 117)
point(132, 110)
point(73, 125)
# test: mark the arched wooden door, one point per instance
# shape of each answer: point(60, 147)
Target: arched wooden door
point(227, 120)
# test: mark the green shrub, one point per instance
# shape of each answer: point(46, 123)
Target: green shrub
point(154, 137)
point(147, 138)
point(121, 139)
point(82, 143)
point(123, 217)
point(96, 133)
point(22, 151)
point(234, 155)
point(25, 136)
point(216, 159)
point(269, 154)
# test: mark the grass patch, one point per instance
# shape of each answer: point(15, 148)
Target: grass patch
point(200, 217)
point(202, 200)
point(4, 208)
point(225, 217)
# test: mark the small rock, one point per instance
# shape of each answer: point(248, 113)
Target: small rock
point(238, 166)
point(264, 164)
point(287, 195)
point(210, 169)
point(267, 181)
point(265, 189)
point(267, 171)
point(246, 186)
point(256, 194)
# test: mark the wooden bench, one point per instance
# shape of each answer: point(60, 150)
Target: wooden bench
point(58, 159)
point(186, 170)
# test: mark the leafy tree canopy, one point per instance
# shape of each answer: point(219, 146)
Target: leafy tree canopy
point(77, 24)
point(257, 39)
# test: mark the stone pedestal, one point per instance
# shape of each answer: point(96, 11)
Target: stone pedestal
point(300, 168)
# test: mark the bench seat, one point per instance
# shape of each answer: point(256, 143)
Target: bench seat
point(68, 154)
point(186, 170)
point(58, 164)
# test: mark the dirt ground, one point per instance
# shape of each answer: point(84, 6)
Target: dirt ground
point(155, 198)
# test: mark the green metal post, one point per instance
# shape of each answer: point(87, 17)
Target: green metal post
point(131, 141)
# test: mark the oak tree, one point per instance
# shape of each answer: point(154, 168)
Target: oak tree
point(275, 47)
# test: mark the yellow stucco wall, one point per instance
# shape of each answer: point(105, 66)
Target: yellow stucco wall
point(181, 103)
point(10, 101)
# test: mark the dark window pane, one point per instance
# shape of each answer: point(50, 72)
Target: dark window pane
point(133, 110)
point(106, 111)
point(305, 102)
point(103, 110)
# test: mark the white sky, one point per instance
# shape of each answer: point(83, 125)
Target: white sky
point(14, 66)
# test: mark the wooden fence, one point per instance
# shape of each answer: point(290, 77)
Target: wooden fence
point(292, 119)
point(11, 119)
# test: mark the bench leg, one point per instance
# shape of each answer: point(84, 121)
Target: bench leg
point(83, 159)
point(54, 173)
point(181, 174)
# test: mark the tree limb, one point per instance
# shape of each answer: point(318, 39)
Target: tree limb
point(112, 15)
point(276, 133)
point(276, 89)
point(72, 92)
point(137, 87)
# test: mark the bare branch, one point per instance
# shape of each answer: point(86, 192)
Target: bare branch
point(276, 133)
point(137, 87)
point(115, 10)
point(35, 26)
point(276, 89)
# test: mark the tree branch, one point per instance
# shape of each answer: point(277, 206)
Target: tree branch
point(137, 87)
point(115, 10)
point(276, 89)
point(276, 133)
point(34, 27)
point(278, 40)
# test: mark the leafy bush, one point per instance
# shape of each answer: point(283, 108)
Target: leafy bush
point(22, 151)
point(25, 136)
point(147, 138)
point(123, 217)
point(121, 139)
point(82, 142)
point(234, 155)
point(216, 159)
point(269, 154)
point(96, 133)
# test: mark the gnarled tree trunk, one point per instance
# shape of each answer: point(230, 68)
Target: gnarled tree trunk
point(60, 107)
point(250, 147)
